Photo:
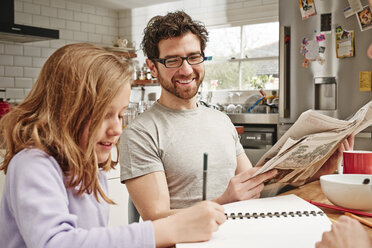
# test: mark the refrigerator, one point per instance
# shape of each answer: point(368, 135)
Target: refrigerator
point(331, 84)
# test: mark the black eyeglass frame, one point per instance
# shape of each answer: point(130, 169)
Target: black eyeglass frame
point(162, 61)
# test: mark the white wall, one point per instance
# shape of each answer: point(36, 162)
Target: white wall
point(20, 63)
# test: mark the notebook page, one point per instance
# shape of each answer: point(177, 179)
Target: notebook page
point(286, 232)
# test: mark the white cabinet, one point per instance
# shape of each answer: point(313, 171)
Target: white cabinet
point(119, 194)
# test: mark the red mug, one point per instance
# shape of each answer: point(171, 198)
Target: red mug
point(357, 162)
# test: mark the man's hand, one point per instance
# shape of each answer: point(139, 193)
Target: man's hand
point(244, 186)
point(331, 164)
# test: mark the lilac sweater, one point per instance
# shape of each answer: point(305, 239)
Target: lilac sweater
point(38, 211)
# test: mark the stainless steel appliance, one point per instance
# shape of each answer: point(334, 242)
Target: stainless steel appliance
point(257, 140)
point(331, 87)
point(260, 133)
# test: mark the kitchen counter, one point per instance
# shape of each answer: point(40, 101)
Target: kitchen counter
point(254, 118)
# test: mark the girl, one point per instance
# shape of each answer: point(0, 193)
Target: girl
point(58, 143)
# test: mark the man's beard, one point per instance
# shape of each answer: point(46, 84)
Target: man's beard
point(181, 92)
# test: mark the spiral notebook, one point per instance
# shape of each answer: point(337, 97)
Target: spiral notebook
point(281, 221)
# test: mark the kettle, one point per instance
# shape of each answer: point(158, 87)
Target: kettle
point(4, 107)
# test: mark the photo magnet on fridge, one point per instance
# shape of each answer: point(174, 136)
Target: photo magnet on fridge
point(325, 22)
point(365, 18)
point(307, 8)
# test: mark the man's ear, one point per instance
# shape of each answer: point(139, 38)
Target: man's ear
point(150, 64)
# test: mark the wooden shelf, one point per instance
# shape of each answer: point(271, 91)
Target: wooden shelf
point(123, 52)
point(148, 82)
point(128, 55)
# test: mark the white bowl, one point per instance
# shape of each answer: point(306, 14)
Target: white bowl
point(348, 190)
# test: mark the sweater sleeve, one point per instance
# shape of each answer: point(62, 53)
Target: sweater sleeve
point(39, 203)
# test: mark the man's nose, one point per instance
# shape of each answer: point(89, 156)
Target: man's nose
point(185, 68)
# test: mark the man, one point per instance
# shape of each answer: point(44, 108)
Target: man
point(162, 150)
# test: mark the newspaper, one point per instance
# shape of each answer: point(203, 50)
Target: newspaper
point(307, 145)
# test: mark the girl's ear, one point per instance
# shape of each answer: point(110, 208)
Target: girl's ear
point(153, 69)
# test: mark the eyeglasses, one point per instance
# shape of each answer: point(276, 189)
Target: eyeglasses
point(176, 62)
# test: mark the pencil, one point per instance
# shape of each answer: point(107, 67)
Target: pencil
point(332, 220)
point(361, 220)
point(205, 168)
point(358, 212)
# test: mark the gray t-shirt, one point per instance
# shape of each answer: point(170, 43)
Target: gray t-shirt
point(174, 141)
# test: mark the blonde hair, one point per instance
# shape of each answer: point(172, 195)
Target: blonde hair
point(73, 90)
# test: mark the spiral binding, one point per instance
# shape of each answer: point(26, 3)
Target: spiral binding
point(272, 215)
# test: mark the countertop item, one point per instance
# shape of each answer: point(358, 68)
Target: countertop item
point(254, 118)
point(348, 190)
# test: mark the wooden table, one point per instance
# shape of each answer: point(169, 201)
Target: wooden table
point(313, 192)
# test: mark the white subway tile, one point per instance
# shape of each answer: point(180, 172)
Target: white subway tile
point(2, 94)
point(42, 2)
point(31, 72)
point(95, 38)
point(48, 11)
point(23, 18)
point(113, 31)
point(65, 34)
point(40, 21)
point(32, 51)
point(90, 9)
point(104, 12)
point(18, 6)
point(72, 25)
point(58, 4)
point(31, 8)
point(73, 6)
point(6, 82)
point(46, 52)
point(2, 48)
point(95, 19)
point(57, 23)
point(14, 93)
point(43, 43)
point(65, 14)
point(23, 82)
point(80, 36)
point(88, 27)
point(13, 49)
point(109, 21)
point(6, 59)
point(82, 17)
point(38, 62)
point(27, 91)
point(100, 29)
point(2, 70)
point(13, 71)
point(22, 61)
point(108, 39)
point(57, 43)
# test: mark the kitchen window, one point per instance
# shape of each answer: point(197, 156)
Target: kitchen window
point(243, 57)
